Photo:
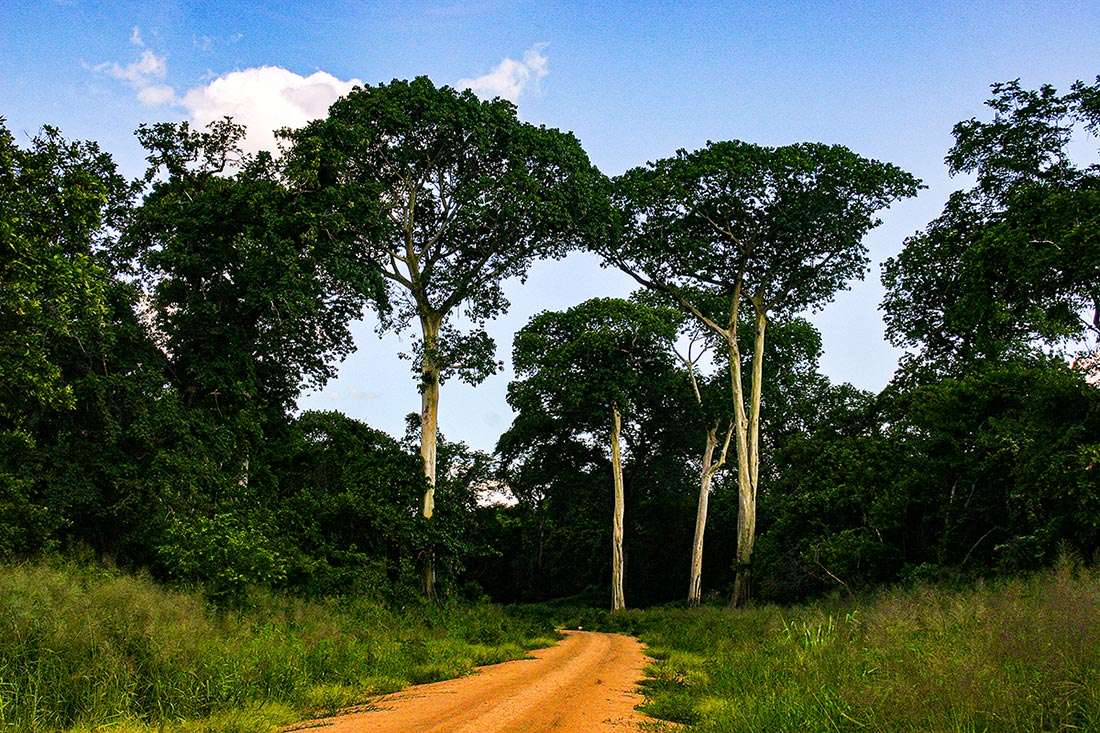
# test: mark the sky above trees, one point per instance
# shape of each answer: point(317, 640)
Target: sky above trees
point(634, 83)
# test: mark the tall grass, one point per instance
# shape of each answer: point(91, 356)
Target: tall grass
point(83, 648)
point(1017, 656)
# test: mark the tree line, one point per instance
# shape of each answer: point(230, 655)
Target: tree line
point(158, 332)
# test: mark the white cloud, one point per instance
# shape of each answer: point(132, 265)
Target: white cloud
point(267, 98)
point(264, 99)
point(156, 95)
point(145, 76)
point(510, 78)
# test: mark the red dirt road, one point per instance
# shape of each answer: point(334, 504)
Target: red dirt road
point(585, 684)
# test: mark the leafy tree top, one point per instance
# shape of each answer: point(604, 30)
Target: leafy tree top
point(579, 363)
point(61, 204)
point(448, 196)
point(239, 270)
point(781, 227)
point(1013, 263)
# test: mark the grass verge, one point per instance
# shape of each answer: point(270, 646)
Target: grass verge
point(84, 649)
point(1016, 656)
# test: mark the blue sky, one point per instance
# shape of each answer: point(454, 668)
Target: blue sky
point(634, 81)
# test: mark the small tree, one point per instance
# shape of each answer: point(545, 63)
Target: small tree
point(705, 400)
point(587, 365)
point(447, 196)
point(778, 230)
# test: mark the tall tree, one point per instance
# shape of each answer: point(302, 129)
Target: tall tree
point(447, 197)
point(241, 290)
point(587, 365)
point(1013, 263)
point(695, 349)
point(776, 230)
point(61, 202)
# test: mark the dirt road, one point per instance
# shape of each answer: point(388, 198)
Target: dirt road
point(585, 684)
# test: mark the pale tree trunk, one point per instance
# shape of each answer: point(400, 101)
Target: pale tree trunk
point(706, 477)
point(754, 409)
point(618, 601)
point(695, 586)
point(746, 507)
point(429, 425)
point(748, 459)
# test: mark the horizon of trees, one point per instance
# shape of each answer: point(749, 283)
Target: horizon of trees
point(157, 333)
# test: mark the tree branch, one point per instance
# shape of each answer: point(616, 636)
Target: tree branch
point(674, 292)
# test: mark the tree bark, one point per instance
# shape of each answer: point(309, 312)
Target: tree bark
point(746, 503)
point(749, 466)
point(618, 601)
point(754, 409)
point(429, 426)
point(695, 586)
point(706, 477)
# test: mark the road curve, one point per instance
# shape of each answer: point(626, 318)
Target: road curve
point(584, 684)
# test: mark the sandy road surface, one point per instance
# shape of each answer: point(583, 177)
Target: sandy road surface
point(585, 684)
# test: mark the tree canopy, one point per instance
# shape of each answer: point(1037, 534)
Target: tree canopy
point(733, 224)
point(1012, 264)
point(156, 336)
point(447, 196)
point(782, 227)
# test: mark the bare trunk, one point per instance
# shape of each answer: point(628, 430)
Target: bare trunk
point(618, 601)
point(749, 467)
point(746, 504)
point(754, 410)
point(429, 426)
point(695, 587)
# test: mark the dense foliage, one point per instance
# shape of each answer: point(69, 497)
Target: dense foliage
point(156, 336)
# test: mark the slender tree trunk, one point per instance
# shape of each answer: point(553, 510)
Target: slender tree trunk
point(695, 587)
point(429, 426)
point(245, 471)
point(746, 503)
point(618, 601)
point(754, 409)
point(749, 466)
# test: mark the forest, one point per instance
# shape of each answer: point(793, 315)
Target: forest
point(677, 448)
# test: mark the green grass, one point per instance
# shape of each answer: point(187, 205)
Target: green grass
point(83, 648)
point(1015, 656)
point(86, 649)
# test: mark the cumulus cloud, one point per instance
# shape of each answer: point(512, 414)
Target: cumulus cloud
point(264, 99)
point(510, 78)
point(267, 98)
point(145, 76)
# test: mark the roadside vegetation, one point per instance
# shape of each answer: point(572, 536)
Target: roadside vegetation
point(83, 648)
point(682, 445)
point(1014, 656)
